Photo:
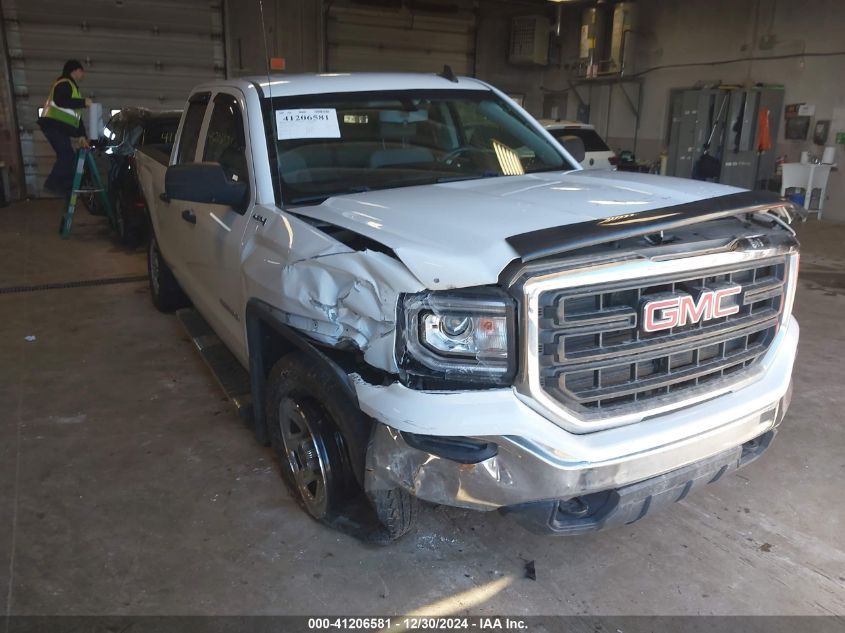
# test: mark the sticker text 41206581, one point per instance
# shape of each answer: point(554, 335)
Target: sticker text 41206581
point(307, 123)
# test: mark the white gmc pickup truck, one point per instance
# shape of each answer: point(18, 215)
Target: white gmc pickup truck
point(434, 301)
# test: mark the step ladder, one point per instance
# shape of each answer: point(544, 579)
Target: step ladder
point(85, 159)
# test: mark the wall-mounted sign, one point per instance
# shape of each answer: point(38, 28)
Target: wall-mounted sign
point(821, 131)
point(797, 124)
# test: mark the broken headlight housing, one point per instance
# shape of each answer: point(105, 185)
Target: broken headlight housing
point(456, 339)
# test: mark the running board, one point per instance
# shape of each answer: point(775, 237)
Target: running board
point(230, 374)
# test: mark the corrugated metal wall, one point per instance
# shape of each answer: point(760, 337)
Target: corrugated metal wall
point(382, 39)
point(292, 30)
point(10, 168)
point(136, 52)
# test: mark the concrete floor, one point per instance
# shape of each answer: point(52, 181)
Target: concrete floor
point(129, 486)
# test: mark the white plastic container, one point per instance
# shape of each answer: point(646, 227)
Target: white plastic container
point(829, 156)
point(94, 121)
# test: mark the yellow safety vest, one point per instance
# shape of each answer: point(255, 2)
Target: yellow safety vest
point(65, 115)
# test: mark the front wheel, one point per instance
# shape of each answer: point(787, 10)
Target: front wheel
point(306, 411)
point(305, 437)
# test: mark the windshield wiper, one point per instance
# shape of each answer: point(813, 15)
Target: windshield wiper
point(486, 174)
point(322, 197)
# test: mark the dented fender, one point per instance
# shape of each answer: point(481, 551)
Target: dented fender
point(329, 292)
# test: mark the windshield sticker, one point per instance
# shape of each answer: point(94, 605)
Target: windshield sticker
point(311, 123)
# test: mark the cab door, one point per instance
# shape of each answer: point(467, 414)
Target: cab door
point(219, 229)
point(176, 236)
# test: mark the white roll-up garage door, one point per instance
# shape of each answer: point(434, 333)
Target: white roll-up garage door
point(385, 39)
point(136, 53)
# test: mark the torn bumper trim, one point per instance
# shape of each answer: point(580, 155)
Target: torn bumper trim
point(628, 504)
point(523, 473)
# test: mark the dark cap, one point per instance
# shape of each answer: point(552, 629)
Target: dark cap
point(70, 66)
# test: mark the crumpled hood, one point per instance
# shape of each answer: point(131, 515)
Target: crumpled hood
point(452, 235)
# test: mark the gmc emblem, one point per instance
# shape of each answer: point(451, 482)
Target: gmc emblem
point(663, 314)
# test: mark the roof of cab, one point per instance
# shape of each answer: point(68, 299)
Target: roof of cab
point(305, 84)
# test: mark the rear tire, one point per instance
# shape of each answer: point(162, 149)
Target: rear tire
point(119, 219)
point(127, 229)
point(165, 291)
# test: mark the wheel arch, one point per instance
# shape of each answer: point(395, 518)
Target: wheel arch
point(268, 340)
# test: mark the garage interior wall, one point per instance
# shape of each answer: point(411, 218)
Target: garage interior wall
point(492, 65)
point(337, 36)
point(292, 30)
point(10, 164)
point(688, 36)
point(401, 38)
point(136, 53)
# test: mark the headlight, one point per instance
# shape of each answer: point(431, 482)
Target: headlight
point(456, 338)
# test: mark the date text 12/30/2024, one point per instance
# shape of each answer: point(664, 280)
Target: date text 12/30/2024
point(420, 623)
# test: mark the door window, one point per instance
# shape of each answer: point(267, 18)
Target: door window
point(191, 128)
point(225, 142)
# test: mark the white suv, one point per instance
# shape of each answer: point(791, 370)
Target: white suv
point(597, 154)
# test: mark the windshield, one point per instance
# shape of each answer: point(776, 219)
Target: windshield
point(334, 144)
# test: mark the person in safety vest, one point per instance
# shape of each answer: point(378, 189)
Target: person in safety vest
point(61, 121)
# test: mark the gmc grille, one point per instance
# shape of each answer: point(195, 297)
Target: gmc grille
point(595, 358)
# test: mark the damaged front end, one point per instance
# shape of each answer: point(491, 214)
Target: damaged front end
point(455, 411)
point(347, 301)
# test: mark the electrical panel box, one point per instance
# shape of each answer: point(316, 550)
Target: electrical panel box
point(530, 40)
point(725, 119)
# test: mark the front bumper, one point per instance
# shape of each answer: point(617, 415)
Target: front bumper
point(628, 504)
point(538, 461)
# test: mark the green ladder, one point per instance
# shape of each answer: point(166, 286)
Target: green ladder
point(85, 158)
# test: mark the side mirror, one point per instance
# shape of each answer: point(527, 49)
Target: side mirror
point(575, 146)
point(204, 182)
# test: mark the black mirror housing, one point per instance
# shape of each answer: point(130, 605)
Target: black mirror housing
point(206, 183)
point(575, 146)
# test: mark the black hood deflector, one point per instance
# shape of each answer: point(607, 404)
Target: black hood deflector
point(561, 239)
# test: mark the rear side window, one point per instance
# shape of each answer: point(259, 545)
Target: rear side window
point(161, 130)
point(225, 142)
point(191, 129)
point(592, 141)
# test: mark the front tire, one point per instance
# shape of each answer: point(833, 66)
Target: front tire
point(306, 409)
point(305, 437)
point(165, 291)
point(396, 510)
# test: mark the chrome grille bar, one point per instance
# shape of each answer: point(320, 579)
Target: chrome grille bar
point(589, 363)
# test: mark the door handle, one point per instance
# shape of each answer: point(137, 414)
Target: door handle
point(189, 216)
point(164, 197)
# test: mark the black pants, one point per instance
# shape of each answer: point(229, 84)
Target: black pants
point(61, 177)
